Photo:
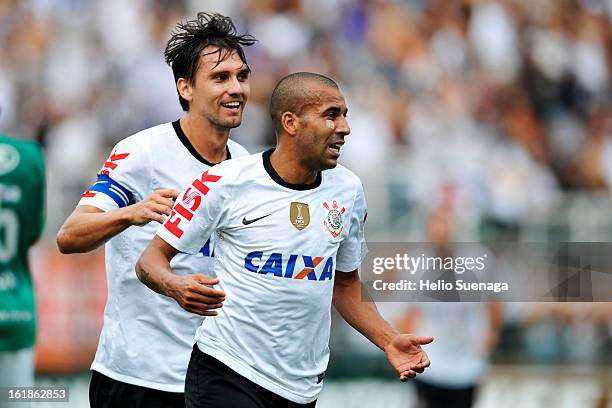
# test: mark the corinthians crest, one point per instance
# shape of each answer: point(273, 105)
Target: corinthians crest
point(299, 215)
point(333, 219)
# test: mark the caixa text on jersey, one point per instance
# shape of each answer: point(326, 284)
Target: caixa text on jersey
point(296, 266)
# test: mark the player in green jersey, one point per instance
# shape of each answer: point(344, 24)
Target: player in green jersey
point(22, 192)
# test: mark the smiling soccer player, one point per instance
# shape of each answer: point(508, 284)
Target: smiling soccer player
point(146, 339)
point(280, 272)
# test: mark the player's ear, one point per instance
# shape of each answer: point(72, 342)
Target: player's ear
point(184, 89)
point(290, 122)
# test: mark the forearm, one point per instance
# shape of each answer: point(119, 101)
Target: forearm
point(362, 314)
point(193, 292)
point(85, 231)
point(153, 269)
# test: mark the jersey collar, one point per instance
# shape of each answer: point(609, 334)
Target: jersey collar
point(277, 178)
point(183, 138)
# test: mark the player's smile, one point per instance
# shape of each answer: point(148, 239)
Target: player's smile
point(233, 107)
point(334, 148)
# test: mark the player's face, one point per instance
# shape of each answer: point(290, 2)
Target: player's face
point(219, 93)
point(324, 128)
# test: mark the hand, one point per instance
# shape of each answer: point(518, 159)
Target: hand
point(153, 208)
point(194, 294)
point(405, 354)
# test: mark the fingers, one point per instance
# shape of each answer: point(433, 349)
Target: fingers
point(157, 212)
point(152, 209)
point(155, 207)
point(166, 203)
point(407, 372)
point(406, 375)
point(213, 295)
point(168, 193)
point(201, 306)
point(165, 198)
point(424, 340)
point(208, 313)
point(201, 287)
point(151, 215)
point(163, 204)
point(423, 364)
point(199, 296)
point(205, 279)
point(209, 302)
point(201, 312)
point(191, 293)
point(159, 207)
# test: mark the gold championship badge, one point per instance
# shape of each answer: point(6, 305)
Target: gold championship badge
point(299, 215)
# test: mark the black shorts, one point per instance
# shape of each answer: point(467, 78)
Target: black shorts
point(431, 396)
point(212, 384)
point(104, 392)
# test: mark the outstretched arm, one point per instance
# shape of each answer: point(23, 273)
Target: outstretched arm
point(192, 292)
point(88, 227)
point(403, 351)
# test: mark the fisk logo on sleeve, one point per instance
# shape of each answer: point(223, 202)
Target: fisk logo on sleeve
point(192, 199)
point(111, 163)
point(107, 185)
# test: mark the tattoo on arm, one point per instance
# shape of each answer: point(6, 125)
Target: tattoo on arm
point(145, 278)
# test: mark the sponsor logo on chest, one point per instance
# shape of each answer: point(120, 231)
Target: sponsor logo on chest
point(317, 268)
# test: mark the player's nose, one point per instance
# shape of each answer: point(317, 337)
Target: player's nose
point(343, 126)
point(234, 86)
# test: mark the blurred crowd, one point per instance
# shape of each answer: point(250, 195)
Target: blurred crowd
point(507, 101)
point(497, 106)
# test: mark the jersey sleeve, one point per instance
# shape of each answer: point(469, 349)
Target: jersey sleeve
point(353, 248)
point(198, 211)
point(123, 179)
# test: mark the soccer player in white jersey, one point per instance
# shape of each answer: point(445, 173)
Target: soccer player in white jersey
point(146, 340)
point(290, 236)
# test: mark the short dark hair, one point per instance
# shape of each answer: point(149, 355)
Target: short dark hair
point(191, 37)
point(292, 94)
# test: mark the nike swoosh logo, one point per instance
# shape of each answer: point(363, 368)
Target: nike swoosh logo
point(247, 222)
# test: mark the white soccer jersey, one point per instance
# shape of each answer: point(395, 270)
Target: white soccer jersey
point(277, 250)
point(147, 338)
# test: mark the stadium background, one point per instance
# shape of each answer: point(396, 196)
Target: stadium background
point(499, 110)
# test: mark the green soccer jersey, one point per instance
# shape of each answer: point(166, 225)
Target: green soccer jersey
point(22, 190)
